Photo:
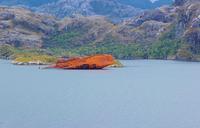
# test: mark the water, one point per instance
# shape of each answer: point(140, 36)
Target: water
point(144, 94)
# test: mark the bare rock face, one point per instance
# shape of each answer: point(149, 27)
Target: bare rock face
point(193, 38)
point(183, 18)
point(21, 27)
point(72, 8)
point(149, 26)
point(179, 2)
point(188, 23)
point(163, 14)
point(184, 2)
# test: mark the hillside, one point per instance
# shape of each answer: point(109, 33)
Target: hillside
point(144, 4)
point(164, 33)
point(30, 3)
point(22, 28)
point(115, 10)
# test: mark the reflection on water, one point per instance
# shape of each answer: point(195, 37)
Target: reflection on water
point(144, 94)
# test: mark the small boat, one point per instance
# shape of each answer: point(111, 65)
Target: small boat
point(88, 62)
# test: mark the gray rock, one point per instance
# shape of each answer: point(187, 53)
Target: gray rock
point(22, 28)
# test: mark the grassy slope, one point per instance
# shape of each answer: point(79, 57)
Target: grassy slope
point(162, 49)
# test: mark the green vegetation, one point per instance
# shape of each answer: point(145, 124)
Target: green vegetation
point(64, 40)
point(121, 51)
point(65, 45)
point(117, 64)
point(163, 49)
point(158, 50)
point(34, 55)
point(26, 58)
point(185, 54)
point(6, 51)
point(26, 55)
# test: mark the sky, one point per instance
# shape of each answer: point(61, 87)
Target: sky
point(153, 1)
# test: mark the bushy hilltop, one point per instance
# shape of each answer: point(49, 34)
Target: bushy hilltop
point(169, 32)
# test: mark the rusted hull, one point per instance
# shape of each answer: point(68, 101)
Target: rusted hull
point(88, 62)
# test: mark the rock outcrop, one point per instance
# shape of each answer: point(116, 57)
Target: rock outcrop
point(114, 9)
point(21, 27)
point(182, 21)
point(111, 9)
point(189, 23)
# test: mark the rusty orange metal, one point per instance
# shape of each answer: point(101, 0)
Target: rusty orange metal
point(88, 62)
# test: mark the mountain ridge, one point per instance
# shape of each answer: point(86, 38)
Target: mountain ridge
point(111, 9)
point(166, 32)
point(116, 10)
point(135, 3)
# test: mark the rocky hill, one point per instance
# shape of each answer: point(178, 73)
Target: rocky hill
point(22, 28)
point(146, 4)
point(168, 32)
point(112, 9)
point(30, 3)
point(187, 25)
point(115, 10)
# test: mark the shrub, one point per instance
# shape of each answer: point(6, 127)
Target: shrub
point(164, 48)
point(6, 51)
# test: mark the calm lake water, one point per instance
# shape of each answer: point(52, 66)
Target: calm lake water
point(144, 94)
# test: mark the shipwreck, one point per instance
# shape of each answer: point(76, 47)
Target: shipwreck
point(86, 62)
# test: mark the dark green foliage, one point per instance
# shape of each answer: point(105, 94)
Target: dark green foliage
point(184, 54)
point(65, 44)
point(6, 51)
point(120, 51)
point(164, 48)
point(171, 34)
point(64, 40)
point(158, 50)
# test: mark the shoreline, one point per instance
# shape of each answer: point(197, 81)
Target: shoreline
point(41, 63)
